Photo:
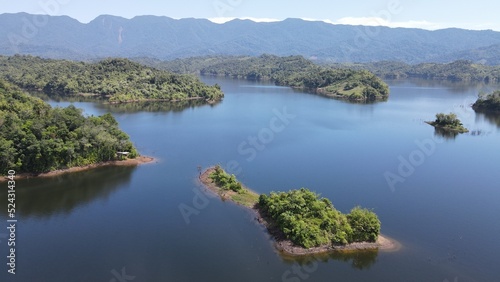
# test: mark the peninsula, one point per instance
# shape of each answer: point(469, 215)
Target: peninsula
point(357, 86)
point(300, 221)
point(38, 140)
point(113, 80)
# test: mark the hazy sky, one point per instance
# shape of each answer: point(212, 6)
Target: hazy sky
point(478, 14)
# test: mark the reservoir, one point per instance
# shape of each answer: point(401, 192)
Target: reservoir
point(436, 194)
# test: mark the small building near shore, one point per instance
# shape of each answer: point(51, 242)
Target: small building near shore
point(122, 155)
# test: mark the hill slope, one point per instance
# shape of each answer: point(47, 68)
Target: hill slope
point(36, 138)
point(117, 80)
point(166, 38)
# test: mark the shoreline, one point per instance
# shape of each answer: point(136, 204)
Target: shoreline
point(286, 246)
point(159, 100)
point(128, 162)
point(324, 93)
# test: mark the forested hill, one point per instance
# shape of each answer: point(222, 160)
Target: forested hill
point(116, 80)
point(293, 71)
point(462, 70)
point(36, 138)
point(166, 38)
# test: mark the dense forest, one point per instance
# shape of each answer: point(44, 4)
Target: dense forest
point(310, 221)
point(462, 70)
point(489, 103)
point(36, 138)
point(293, 71)
point(116, 80)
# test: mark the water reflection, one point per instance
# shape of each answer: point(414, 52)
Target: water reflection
point(62, 194)
point(493, 118)
point(359, 259)
point(72, 98)
point(147, 106)
point(445, 134)
point(154, 106)
point(363, 102)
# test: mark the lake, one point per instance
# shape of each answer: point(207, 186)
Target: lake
point(437, 195)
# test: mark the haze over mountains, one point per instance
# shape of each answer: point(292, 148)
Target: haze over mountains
point(166, 38)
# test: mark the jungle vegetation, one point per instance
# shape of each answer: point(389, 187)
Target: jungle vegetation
point(36, 138)
point(115, 80)
point(292, 71)
point(310, 221)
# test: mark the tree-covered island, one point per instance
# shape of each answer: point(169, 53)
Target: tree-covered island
point(36, 138)
point(113, 80)
point(300, 220)
point(448, 122)
point(488, 104)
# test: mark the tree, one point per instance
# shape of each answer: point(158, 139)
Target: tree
point(365, 225)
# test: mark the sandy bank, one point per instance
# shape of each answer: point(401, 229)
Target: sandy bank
point(129, 162)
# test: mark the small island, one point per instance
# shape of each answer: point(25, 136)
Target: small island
point(300, 221)
point(448, 123)
point(488, 104)
point(38, 140)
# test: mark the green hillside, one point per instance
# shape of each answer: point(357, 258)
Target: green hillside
point(115, 80)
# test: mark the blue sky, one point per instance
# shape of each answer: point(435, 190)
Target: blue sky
point(437, 14)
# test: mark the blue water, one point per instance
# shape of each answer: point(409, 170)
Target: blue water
point(95, 225)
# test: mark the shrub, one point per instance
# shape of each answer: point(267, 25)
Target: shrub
point(365, 225)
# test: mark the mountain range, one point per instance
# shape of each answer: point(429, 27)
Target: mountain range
point(166, 38)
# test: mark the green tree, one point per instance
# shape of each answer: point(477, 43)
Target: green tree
point(365, 225)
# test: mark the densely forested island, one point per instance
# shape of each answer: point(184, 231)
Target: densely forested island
point(448, 122)
point(115, 80)
point(36, 138)
point(292, 71)
point(301, 221)
point(488, 104)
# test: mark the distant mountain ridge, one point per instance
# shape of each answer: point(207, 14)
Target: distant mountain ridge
point(166, 38)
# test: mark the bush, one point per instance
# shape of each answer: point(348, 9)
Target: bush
point(365, 225)
point(226, 181)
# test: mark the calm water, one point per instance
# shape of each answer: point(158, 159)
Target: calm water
point(125, 224)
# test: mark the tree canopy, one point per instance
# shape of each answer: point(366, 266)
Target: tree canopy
point(293, 71)
point(310, 221)
point(116, 80)
point(35, 137)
